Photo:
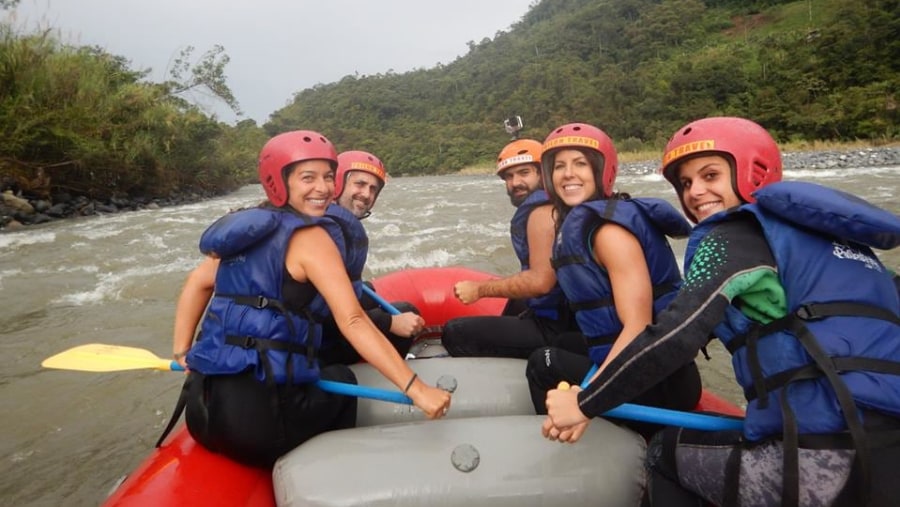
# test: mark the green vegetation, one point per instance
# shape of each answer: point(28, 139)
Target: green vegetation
point(807, 70)
point(79, 120)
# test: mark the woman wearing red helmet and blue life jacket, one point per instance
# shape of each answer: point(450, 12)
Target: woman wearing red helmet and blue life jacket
point(613, 262)
point(784, 275)
point(276, 271)
point(359, 179)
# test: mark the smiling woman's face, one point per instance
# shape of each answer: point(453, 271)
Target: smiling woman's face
point(573, 177)
point(706, 187)
point(311, 187)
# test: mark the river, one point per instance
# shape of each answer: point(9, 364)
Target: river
point(115, 278)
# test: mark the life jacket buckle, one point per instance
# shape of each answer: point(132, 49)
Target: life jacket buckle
point(806, 312)
point(262, 302)
point(249, 342)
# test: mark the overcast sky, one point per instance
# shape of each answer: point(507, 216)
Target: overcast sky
point(277, 47)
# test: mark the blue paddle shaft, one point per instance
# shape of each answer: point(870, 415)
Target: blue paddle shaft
point(668, 417)
point(346, 389)
point(373, 393)
point(381, 301)
point(625, 411)
point(587, 378)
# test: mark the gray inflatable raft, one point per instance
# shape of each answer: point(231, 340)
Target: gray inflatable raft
point(485, 461)
point(481, 387)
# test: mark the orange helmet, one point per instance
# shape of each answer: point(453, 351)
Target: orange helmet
point(358, 161)
point(518, 152)
point(750, 150)
point(285, 149)
point(583, 137)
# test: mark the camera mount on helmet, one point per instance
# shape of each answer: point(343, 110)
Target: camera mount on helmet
point(513, 125)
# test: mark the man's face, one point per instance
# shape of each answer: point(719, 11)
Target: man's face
point(359, 193)
point(521, 181)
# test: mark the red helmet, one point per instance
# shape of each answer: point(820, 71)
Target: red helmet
point(581, 136)
point(754, 157)
point(358, 161)
point(286, 149)
point(518, 152)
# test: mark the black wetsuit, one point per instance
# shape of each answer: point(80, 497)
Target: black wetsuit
point(686, 466)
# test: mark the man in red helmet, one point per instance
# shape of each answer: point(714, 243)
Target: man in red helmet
point(359, 178)
point(534, 289)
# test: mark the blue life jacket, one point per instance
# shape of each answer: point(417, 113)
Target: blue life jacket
point(587, 286)
point(249, 324)
point(837, 350)
point(356, 243)
point(838, 347)
point(552, 304)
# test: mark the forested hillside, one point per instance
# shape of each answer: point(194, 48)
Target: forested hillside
point(810, 69)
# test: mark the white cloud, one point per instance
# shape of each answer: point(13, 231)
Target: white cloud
point(277, 47)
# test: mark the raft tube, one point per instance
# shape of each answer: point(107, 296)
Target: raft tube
point(431, 291)
point(182, 472)
point(481, 386)
point(484, 461)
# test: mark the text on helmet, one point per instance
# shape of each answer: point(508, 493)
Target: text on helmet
point(364, 166)
point(516, 160)
point(688, 148)
point(587, 142)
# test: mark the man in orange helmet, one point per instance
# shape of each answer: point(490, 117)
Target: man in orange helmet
point(545, 317)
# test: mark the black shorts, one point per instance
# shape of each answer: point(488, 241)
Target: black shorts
point(250, 422)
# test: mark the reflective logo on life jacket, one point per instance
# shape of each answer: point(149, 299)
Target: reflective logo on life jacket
point(842, 251)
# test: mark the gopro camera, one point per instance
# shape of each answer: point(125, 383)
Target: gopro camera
point(513, 125)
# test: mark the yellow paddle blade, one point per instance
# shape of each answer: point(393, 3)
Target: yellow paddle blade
point(99, 357)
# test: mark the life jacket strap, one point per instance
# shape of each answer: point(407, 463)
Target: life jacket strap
point(659, 291)
point(821, 365)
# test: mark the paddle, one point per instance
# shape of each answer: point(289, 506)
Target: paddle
point(381, 301)
point(669, 417)
point(98, 357)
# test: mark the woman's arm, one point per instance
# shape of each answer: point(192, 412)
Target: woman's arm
point(312, 256)
point(195, 296)
point(619, 252)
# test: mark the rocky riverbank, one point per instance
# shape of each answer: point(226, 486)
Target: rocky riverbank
point(861, 157)
point(17, 212)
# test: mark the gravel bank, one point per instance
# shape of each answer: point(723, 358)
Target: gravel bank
point(865, 157)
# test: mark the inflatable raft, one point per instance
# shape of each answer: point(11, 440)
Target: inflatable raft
point(486, 451)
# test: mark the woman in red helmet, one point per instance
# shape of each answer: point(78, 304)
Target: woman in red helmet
point(277, 270)
point(783, 274)
point(613, 262)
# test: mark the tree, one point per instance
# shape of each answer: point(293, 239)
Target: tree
point(207, 72)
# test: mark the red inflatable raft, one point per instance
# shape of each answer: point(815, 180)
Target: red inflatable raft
point(182, 472)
